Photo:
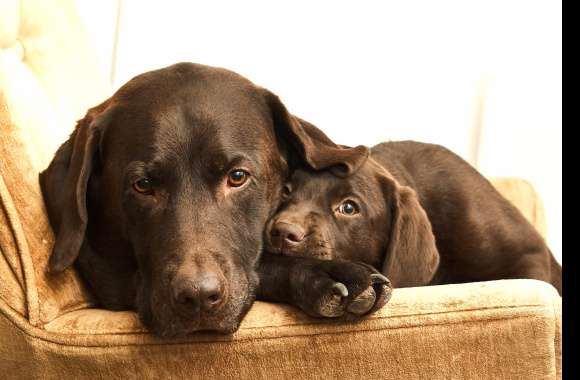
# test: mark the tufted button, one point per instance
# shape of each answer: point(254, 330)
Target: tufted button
point(15, 51)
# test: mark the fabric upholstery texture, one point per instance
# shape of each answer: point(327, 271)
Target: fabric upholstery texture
point(501, 329)
point(49, 327)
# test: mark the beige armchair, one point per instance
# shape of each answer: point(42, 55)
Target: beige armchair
point(49, 327)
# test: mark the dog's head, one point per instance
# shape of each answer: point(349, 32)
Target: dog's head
point(367, 216)
point(174, 177)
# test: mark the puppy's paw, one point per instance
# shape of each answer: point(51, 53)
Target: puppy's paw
point(372, 298)
point(341, 288)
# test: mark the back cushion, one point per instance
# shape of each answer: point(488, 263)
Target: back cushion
point(522, 194)
point(48, 79)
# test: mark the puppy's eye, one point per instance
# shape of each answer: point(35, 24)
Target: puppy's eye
point(143, 186)
point(348, 208)
point(237, 177)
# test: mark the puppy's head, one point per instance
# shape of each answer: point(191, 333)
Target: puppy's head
point(367, 216)
point(170, 182)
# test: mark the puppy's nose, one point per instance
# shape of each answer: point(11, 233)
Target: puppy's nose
point(205, 292)
point(287, 233)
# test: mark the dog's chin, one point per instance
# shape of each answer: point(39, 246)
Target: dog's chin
point(167, 323)
point(181, 329)
point(174, 326)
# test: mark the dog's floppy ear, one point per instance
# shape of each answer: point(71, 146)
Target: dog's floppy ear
point(311, 144)
point(64, 187)
point(411, 257)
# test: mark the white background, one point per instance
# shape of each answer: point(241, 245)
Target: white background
point(483, 78)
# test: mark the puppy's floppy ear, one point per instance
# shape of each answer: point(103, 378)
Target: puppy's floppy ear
point(64, 186)
point(311, 144)
point(411, 257)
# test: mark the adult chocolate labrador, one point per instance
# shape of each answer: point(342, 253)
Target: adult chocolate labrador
point(162, 193)
point(418, 212)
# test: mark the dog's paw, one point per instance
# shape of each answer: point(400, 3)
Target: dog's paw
point(341, 288)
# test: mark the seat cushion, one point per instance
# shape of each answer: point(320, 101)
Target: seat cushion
point(501, 329)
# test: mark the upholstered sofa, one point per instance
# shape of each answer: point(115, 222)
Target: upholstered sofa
point(49, 327)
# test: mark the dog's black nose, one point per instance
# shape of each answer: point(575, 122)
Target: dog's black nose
point(205, 292)
point(286, 233)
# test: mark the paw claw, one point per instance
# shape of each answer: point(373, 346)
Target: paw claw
point(363, 302)
point(340, 289)
point(383, 296)
point(378, 278)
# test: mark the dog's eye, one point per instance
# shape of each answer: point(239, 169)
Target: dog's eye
point(143, 186)
point(237, 177)
point(348, 208)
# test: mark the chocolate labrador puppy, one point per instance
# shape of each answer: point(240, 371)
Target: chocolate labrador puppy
point(162, 192)
point(419, 213)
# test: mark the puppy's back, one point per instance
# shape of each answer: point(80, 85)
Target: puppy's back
point(480, 234)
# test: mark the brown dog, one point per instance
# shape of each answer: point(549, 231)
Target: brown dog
point(162, 192)
point(416, 211)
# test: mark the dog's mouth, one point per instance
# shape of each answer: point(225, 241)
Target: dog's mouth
point(312, 246)
point(284, 248)
point(168, 322)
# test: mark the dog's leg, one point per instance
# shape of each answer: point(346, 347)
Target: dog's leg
point(323, 288)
